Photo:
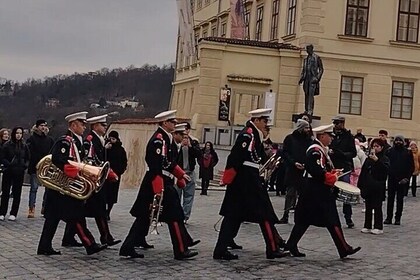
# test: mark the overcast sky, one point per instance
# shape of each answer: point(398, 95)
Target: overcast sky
point(41, 38)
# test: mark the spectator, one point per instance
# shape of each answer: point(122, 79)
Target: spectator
point(117, 157)
point(207, 162)
point(358, 161)
point(416, 159)
point(400, 172)
point(39, 145)
point(4, 137)
point(15, 157)
point(383, 134)
point(359, 136)
point(372, 183)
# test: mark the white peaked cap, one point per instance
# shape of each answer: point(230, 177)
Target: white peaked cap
point(167, 115)
point(323, 129)
point(97, 119)
point(180, 127)
point(76, 116)
point(259, 113)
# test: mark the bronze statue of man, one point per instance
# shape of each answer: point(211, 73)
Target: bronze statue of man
point(310, 77)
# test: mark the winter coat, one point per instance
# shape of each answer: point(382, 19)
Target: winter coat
point(117, 157)
point(344, 150)
point(39, 146)
point(207, 173)
point(15, 156)
point(372, 179)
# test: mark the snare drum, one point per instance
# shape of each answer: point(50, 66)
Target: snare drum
point(347, 193)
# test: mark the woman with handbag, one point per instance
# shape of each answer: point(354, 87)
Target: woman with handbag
point(372, 183)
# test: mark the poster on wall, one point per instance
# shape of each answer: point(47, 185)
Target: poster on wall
point(270, 102)
point(224, 104)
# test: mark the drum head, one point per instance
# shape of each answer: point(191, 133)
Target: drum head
point(347, 187)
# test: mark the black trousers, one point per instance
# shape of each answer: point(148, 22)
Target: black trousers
point(229, 230)
point(414, 185)
point(14, 181)
point(204, 185)
point(291, 198)
point(180, 237)
point(336, 233)
point(399, 190)
point(50, 227)
point(373, 205)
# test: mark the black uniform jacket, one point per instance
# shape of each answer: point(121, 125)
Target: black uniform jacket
point(57, 205)
point(317, 202)
point(95, 153)
point(160, 159)
point(246, 199)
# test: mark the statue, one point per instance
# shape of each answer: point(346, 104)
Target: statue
point(310, 77)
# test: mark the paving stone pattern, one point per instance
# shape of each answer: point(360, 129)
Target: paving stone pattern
point(393, 255)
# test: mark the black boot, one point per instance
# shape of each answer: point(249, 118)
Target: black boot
point(296, 253)
point(187, 254)
point(95, 248)
point(130, 253)
point(71, 243)
point(145, 245)
point(276, 254)
point(110, 241)
point(226, 255)
point(387, 221)
point(397, 221)
point(234, 246)
point(48, 252)
point(349, 252)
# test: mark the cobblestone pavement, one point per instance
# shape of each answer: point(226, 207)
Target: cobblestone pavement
point(393, 255)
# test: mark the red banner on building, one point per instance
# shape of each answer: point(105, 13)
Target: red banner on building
point(237, 16)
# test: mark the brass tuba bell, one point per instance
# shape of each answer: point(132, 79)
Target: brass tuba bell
point(90, 178)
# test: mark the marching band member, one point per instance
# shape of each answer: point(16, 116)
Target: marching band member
point(95, 151)
point(245, 198)
point(317, 202)
point(159, 180)
point(63, 207)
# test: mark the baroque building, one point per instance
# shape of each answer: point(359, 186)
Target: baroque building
point(370, 51)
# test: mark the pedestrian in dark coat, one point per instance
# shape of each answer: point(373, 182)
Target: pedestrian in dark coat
point(207, 162)
point(15, 159)
point(245, 198)
point(317, 202)
point(400, 171)
point(117, 157)
point(158, 181)
point(372, 183)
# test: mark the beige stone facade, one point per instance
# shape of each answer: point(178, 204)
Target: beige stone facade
point(371, 64)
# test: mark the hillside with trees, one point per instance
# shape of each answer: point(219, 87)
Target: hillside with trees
point(123, 93)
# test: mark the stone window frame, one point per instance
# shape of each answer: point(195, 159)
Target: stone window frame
point(291, 17)
point(409, 14)
point(352, 94)
point(274, 28)
point(395, 97)
point(358, 7)
point(259, 23)
point(247, 19)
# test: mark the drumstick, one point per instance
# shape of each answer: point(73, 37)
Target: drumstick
point(343, 174)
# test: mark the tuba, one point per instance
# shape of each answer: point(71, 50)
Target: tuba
point(156, 209)
point(90, 178)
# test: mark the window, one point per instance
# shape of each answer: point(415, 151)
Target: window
point(357, 17)
point(205, 32)
point(259, 23)
point(223, 29)
point(351, 95)
point(291, 17)
point(408, 21)
point(275, 20)
point(247, 19)
point(214, 29)
point(402, 100)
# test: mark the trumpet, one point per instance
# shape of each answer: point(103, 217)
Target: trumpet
point(156, 210)
point(269, 167)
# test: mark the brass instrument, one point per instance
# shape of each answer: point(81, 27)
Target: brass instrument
point(90, 178)
point(269, 167)
point(156, 209)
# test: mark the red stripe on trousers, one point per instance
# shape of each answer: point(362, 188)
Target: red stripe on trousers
point(82, 234)
point(341, 237)
point(179, 237)
point(270, 236)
